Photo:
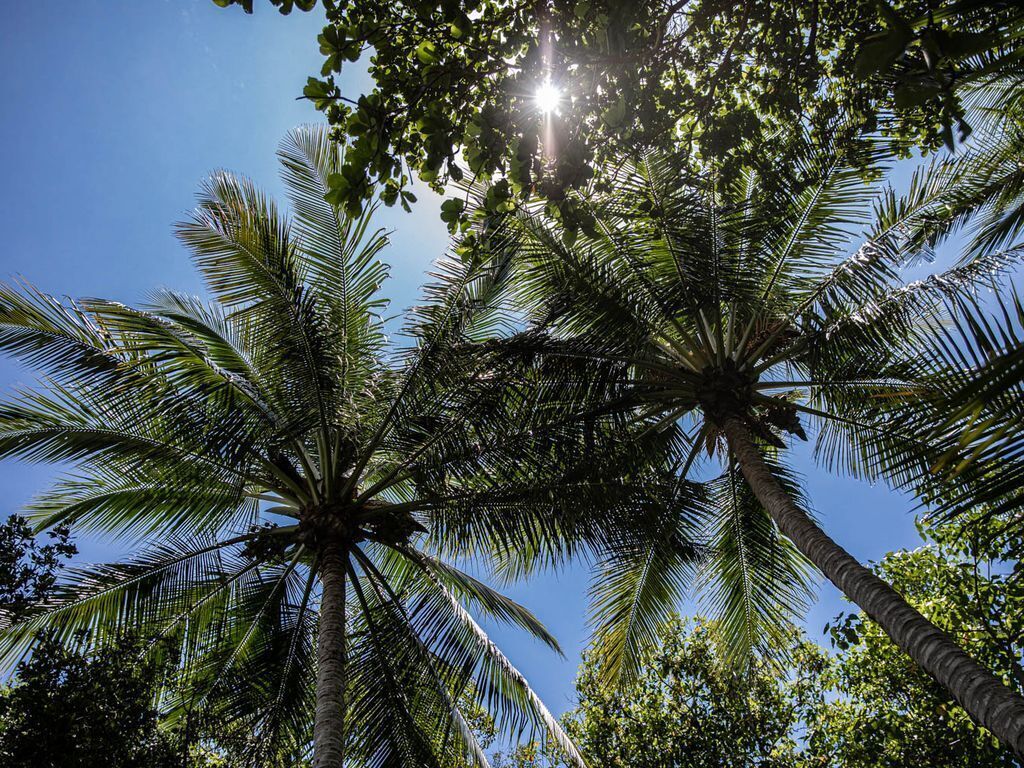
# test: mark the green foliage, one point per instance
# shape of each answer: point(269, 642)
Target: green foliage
point(237, 443)
point(28, 569)
point(865, 705)
point(284, 6)
point(974, 360)
point(691, 706)
point(67, 709)
point(694, 300)
point(454, 83)
point(977, 422)
point(968, 582)
point(931, 53)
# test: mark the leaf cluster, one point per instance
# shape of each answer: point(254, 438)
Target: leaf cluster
point(66, 708)
point(28, 569)
point(454, 84)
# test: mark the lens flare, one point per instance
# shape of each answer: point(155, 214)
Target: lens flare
point(548, 97)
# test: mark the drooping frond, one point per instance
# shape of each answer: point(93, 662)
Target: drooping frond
point(754, 581)
point(976, 427)
point(57, 337)
point(641, 576)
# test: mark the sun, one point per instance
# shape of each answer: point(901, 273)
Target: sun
point(547, 97)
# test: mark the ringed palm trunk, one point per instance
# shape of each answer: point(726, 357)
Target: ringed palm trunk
point(329, 726)
point(978, 691)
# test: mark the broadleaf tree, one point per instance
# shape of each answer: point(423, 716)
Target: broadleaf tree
point(68, 709)
point(455, 84)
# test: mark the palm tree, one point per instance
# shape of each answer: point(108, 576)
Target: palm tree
point(264, 453)
point(730, 315)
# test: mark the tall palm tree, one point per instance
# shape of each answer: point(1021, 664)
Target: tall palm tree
point(731, 316)
point(264, 453)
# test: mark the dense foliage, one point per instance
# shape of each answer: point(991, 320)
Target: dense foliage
point(968, 580)
point(455, 84)
point(860, 705)
point(976, 198)
point(690, 706)
point(266, 454)
point(68, 709)
point(29, 569)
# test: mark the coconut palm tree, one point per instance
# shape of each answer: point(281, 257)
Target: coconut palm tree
point(263, 454)
point(732, 315)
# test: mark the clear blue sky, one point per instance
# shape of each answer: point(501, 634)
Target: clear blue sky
point(112, 111)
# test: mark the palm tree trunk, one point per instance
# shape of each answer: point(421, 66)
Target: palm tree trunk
point(329, 727)
point(978, 691)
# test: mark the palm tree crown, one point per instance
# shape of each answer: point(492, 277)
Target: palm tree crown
point(728, 316)
point(265, 453)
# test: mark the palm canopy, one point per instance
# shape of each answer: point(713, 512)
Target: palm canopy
point(975, 354)
point(979, 192)
point(245, 445)
point(695, 301)
point(975, 430)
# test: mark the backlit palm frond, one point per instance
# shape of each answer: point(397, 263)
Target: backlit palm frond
point(479, 597)
point(563, 280)
point(184, 362)
point(813, 231)
point(538, 494)
point(338, 254)
point(754, 581)
point(149, 595)
point(981, 191)
point(642, 573)
point(224, 345)
point(57, 337)
point(251, 665)
point(404, 701)
point(463, 306)
point(95, 427)
point(140, 503)
point(900, 235)
point(976, 428)
point(245, 251)
point(874, 328)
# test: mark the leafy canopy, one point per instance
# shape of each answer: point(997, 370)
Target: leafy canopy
point(455, 84)
point(76, 710)
point(861, 704)
point(967, 581)
point(694, 299)
point(28, 569)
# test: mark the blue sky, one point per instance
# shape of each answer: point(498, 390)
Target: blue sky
point(112, 113)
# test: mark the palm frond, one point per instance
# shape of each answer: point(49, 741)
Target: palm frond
point(641, 577)
point(754, 582)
